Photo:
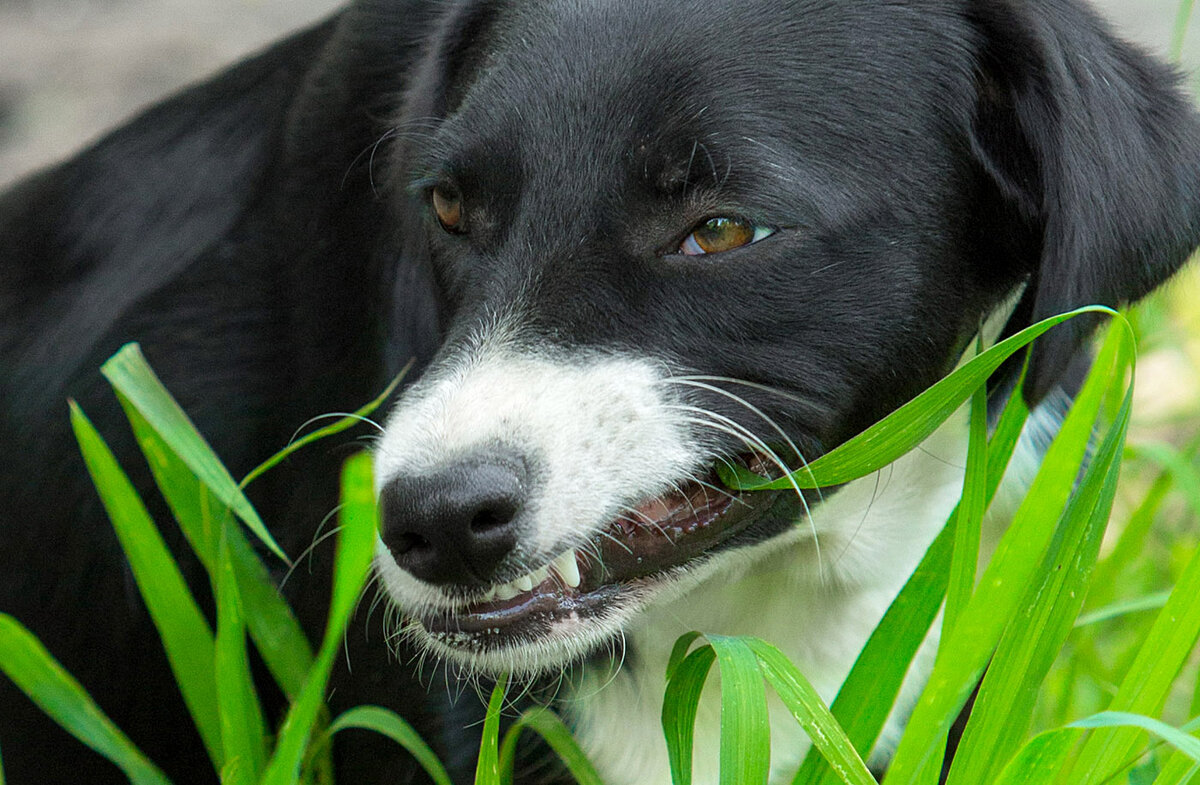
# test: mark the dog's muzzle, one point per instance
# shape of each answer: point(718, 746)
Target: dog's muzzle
point(532, 506)
point(458, 530)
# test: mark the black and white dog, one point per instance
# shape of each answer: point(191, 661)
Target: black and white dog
point(627, 241)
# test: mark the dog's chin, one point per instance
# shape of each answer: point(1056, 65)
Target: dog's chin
point(579, 603)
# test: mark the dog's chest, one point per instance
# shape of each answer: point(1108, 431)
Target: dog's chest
point(817, 604)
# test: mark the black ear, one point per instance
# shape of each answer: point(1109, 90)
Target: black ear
point(1096, 149)
point(457, 50)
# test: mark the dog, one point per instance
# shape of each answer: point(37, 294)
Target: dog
point(624, 243)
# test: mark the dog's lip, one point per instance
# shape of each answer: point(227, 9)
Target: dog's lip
point(661, 536)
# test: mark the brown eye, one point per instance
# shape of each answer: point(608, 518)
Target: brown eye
point(448, 206)
point(723, 234)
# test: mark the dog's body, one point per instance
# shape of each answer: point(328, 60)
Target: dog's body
point(627, 241)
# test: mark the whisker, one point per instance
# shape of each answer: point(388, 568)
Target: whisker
point(617, 541)
point(333, 415)
point(742, 383)
point(742, 433)
point(696, 382)
point(318, 538)
point(381, 597)
point(708, 486)
point(647, 522)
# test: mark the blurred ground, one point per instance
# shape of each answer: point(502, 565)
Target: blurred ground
point(71, 68)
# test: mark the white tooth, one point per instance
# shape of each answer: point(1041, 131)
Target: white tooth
point(491, 595)
point(540, 574)
point(567, 568)
point(524, 583)
point(506, 592)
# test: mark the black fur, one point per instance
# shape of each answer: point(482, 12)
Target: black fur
point(266, 237)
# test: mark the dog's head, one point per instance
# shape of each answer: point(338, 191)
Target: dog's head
point(671, 235)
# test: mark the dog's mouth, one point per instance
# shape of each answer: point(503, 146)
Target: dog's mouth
point(659, 538)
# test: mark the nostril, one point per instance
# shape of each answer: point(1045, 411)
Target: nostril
point(494, 517)
point(407, 542)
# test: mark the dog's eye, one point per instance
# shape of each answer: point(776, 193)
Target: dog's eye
point(447, 204)
point(723, 234)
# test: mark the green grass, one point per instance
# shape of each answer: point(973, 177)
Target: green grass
point(1066, 696)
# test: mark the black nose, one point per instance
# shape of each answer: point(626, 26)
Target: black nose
point(456, 525)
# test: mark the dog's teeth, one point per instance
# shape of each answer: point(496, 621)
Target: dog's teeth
point(491, 595)
point(539, 575)
point(524, 583)
point(567, 569)
point(506, 592)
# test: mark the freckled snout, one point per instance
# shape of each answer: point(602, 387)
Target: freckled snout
point(456, 525)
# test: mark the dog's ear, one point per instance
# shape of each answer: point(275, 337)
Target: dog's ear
point(1093, 146)
point(456, 51)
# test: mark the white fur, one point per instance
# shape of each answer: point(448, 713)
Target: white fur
point(603, 437)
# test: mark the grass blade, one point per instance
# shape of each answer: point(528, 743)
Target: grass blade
point(1039, 761)
point(487, 768)
point(1012, 567)
point(243, 730)
point(908, 426)
point(1147, 682)
point(356, 543)
point(130, 375)
point(343, 423)
point(1179, 770)
point(806, 706)
point(1180, 465)
point(271, 623)
point(392, 725)
point(866, 697)
point(36, 673)
point(1117, 610)
point(969, 515)
point(551, 728)
point(679, 710)
point(1185, 743)
point(745, 725)
point(679, 651)
point(1131, 544)
point(1179, 29)
point(1007, 697)
point(184, 631)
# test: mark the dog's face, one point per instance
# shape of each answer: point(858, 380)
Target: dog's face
point(670, 236)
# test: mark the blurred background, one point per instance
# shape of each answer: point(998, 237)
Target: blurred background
point(71, 68)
